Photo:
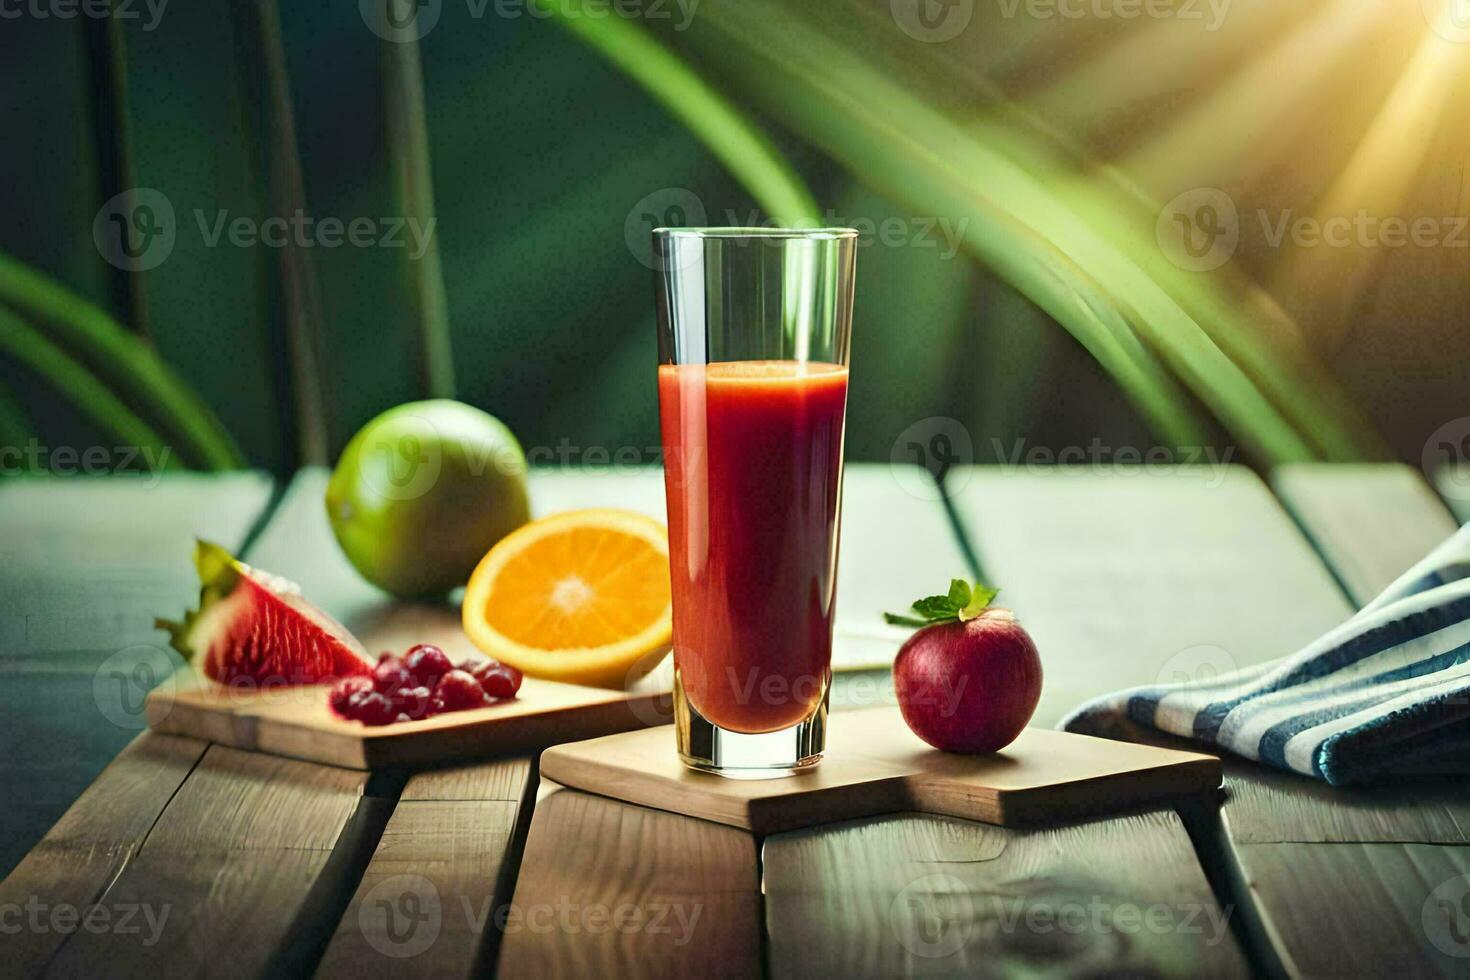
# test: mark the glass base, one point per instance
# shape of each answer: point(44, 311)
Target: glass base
point(706, 747)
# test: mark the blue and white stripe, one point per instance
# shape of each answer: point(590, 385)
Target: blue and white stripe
point(1387, 691)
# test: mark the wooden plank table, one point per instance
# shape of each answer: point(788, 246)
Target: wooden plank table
point(85, 565)
point(256, 866)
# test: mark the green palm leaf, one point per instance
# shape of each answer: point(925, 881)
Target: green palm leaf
point(1048, 231)
point(729, 135)
point(129, 366)
point(30, 347)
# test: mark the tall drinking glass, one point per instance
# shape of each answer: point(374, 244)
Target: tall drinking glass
point(754, 326)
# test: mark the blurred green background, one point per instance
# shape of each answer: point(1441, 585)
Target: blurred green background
point(543, 140)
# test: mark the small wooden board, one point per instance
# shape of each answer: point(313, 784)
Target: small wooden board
point(298, 723)
point(875, 765)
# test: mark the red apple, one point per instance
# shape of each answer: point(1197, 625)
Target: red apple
point(969, 687)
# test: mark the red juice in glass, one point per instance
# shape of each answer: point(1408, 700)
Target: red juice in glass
point(753, 465)
point(754, 330)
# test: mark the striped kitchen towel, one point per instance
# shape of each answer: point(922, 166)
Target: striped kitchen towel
point(1388, 691)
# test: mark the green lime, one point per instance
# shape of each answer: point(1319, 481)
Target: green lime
point(423, 491)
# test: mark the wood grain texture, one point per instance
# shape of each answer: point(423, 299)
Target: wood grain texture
point(85, 566)
point(609, 889)
point(237, 873)
point(1369, 522)
point(1128, 576)
point(897, 543)
point(73, 864)
point(427, 903)
point(875, 765)
point(1267, 806)
point(1359, 909)
point(919, 895)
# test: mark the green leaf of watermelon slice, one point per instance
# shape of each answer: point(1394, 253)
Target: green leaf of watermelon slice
point(253, 628)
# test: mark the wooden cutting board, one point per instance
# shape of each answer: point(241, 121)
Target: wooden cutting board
point(297, 722)
point(875, 765)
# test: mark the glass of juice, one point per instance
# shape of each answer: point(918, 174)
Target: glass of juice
point(754, 326)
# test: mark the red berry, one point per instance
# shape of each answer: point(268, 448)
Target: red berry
point(427, 663)
point(459, 690)
point(391, 675)
point(371, 708)
point(498, 680)
point(344, 689)
point(413, 701)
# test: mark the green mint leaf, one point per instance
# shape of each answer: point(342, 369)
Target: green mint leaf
point(981, 597)
point(963, 602)
point(937, 607)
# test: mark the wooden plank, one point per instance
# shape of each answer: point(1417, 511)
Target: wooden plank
point(245, 860)
point(85, 565)
point(1369, 522)
point(73, 865)
point(1270, 806)
point(875, 765)
point(897, 543)
point(933, 896)
point(609, 889)
point(427, 904)
point(1359, 909)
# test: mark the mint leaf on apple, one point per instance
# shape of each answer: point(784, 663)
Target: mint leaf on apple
point(980, 599)
point(962, 603)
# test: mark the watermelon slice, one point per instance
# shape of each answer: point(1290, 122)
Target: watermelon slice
point(253, 628)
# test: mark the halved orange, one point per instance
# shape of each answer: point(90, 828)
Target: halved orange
point(581, 597)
